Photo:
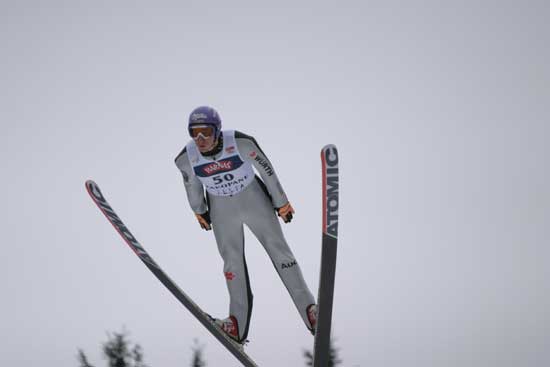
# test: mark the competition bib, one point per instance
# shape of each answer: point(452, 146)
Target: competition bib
point(226, 176)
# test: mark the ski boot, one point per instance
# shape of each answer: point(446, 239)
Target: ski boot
point(312, 317)
point(230, 328)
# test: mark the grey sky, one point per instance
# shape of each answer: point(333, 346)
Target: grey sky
point(440, 113)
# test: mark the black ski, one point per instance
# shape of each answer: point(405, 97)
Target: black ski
point(235, 348)
point(321, 348)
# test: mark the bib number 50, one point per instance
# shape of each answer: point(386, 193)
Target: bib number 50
point(219, 179)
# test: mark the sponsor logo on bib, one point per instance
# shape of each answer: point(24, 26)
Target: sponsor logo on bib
point(217, 167)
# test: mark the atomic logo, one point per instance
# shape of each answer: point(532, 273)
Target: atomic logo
point(331, 192)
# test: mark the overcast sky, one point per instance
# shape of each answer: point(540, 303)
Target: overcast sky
point(439, 110)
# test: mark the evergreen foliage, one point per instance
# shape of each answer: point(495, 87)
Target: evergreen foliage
point(334, 360)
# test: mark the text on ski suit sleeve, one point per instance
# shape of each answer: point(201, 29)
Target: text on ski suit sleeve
point(251, 151)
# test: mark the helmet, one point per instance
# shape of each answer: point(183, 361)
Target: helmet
point(205, 115)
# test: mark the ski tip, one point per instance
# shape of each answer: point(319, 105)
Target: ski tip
point(91, 187)
point(329, 146)
point(329, 149)
point(329, 153)
point(90, 183)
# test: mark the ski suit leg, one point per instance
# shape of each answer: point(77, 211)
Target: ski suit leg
point(263, 222)
point(229, 233)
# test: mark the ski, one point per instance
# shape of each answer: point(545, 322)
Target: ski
point(321, 347)
point(235, 348)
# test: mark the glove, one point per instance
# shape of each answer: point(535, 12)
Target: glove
point(204, 220)
point(285, 212)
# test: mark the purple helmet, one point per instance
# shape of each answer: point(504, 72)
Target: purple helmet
point(205, 115)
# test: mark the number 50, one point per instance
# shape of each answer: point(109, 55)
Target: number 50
point(219, 179)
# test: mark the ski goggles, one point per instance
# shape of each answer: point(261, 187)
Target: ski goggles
point(201, 130)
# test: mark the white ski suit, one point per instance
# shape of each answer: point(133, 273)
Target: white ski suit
point(235, 195)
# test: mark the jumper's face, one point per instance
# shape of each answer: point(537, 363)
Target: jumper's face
point(204, 136)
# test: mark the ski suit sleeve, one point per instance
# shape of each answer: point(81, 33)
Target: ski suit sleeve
point(251, 151)
point(193, 187)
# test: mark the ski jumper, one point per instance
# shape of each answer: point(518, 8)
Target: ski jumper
point(235, 195)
